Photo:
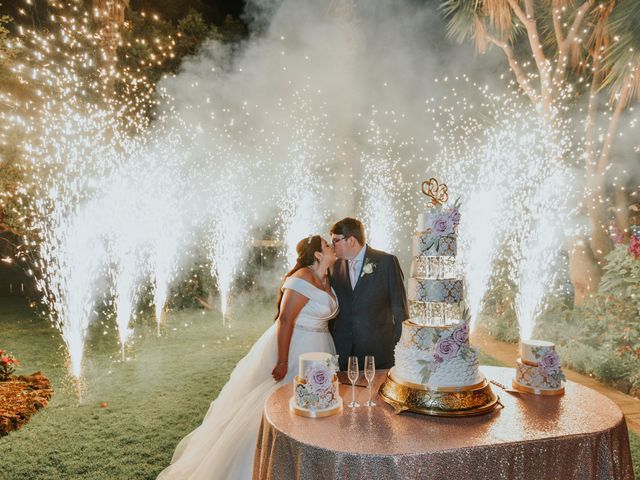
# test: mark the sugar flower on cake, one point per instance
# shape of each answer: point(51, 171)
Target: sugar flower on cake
point(442, 225)
point(446, 348)
point(550, 366)
point(454, 216)
point(319, 378)
point(320, 375)
point(461, 334)
point(550, 361)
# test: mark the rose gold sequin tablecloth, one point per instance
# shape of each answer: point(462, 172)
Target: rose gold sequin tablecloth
point(581, 435)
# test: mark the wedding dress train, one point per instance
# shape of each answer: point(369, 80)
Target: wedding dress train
point(223, 446)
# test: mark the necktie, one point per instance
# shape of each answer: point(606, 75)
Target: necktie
point(352, 273)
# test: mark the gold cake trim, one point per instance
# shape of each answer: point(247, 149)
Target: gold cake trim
point(536, 391)
point(411, 324)
point(303, 381)
point(425, 388)
point(313, 413)
point(439, 404)
point(528, 363)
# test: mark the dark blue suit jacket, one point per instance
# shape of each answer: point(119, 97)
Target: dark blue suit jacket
point(371, 316)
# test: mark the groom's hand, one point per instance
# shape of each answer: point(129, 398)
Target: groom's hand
point(279, 371)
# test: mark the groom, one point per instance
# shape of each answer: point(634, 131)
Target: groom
point(373, 302)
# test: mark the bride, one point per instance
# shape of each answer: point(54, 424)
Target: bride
point(224, 445)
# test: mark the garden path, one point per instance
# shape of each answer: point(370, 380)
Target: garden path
point(508, 352)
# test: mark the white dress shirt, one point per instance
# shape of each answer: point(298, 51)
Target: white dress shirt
point(358, 260)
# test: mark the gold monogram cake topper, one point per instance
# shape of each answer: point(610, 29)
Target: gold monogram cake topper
point(439, 193)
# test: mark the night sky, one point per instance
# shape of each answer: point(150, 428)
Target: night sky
point(213, 10)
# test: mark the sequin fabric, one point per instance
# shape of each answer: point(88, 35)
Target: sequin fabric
point(581, 435)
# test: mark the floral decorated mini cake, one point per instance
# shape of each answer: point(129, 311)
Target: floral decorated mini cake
point(538, 369)
point(315, 389)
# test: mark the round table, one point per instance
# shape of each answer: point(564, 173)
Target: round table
point(580, 435)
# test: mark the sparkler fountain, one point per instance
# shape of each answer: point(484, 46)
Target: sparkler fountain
point(169, 229)
point(164, 265)
point(227, 238)
point(302, 205)
point(381, 185)
point(508, 164)
point(534, 266)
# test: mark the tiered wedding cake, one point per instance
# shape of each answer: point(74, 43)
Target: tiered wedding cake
point(538, 369)
point(433, 354)
point(315, 389)
point(434, 347)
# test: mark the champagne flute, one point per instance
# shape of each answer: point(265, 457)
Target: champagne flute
point(369, 374)
point(353, 373)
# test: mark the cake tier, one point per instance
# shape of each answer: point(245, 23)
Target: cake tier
point(433, 267)
point(436, 357)
point(312, 359)
point(533, 351)
point(439, 220)
point(308, 396)
point(435, 313)
point(428, 244)
point(447, 290)
point(538, 377)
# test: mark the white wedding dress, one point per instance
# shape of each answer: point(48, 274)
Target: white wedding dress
point(224, 445)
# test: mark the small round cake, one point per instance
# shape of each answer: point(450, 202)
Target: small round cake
point(316, 390)
point(538, 370)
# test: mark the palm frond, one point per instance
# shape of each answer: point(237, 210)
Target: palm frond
point(480, 34)
point(461, 16)
point(622, 57)
point(544, 21)
point(579, 51)
point(477, 18)
point(500, 16)
point(597, 23)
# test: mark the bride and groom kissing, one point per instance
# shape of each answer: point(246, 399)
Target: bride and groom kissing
point(343, 298)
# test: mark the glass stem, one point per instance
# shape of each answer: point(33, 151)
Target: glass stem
point(353, 393)
point(369, 393)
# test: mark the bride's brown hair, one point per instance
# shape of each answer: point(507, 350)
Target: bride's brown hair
point(306, 249)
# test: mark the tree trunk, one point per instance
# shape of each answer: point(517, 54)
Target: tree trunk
point(600, 238)
point(584, 271)
point(621, 201)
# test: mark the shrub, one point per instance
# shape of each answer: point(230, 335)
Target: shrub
point(7, 365)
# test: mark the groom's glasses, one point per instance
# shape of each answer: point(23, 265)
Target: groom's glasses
point(336, 240)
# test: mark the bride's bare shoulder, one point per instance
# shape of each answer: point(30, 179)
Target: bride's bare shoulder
point(304, 274)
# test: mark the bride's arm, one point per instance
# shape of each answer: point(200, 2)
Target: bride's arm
point(292, 303)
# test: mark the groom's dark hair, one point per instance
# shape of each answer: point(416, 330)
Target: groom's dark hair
point(350, 227)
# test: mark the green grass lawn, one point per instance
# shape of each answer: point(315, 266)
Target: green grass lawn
point(154, 398)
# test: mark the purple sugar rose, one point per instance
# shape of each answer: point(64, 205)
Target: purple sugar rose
point(454, 215)
point(446, 348)
point(442, 226)
point(550, 361)
point(318, 378)
point(461, 334)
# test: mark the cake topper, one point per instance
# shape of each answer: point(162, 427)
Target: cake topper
point(439, 193)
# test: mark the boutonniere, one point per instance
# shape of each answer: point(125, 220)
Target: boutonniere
point(368, 268)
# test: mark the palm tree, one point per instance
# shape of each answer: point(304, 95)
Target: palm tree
point(550, 44)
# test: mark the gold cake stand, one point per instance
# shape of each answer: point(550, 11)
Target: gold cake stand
point(446, 402)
